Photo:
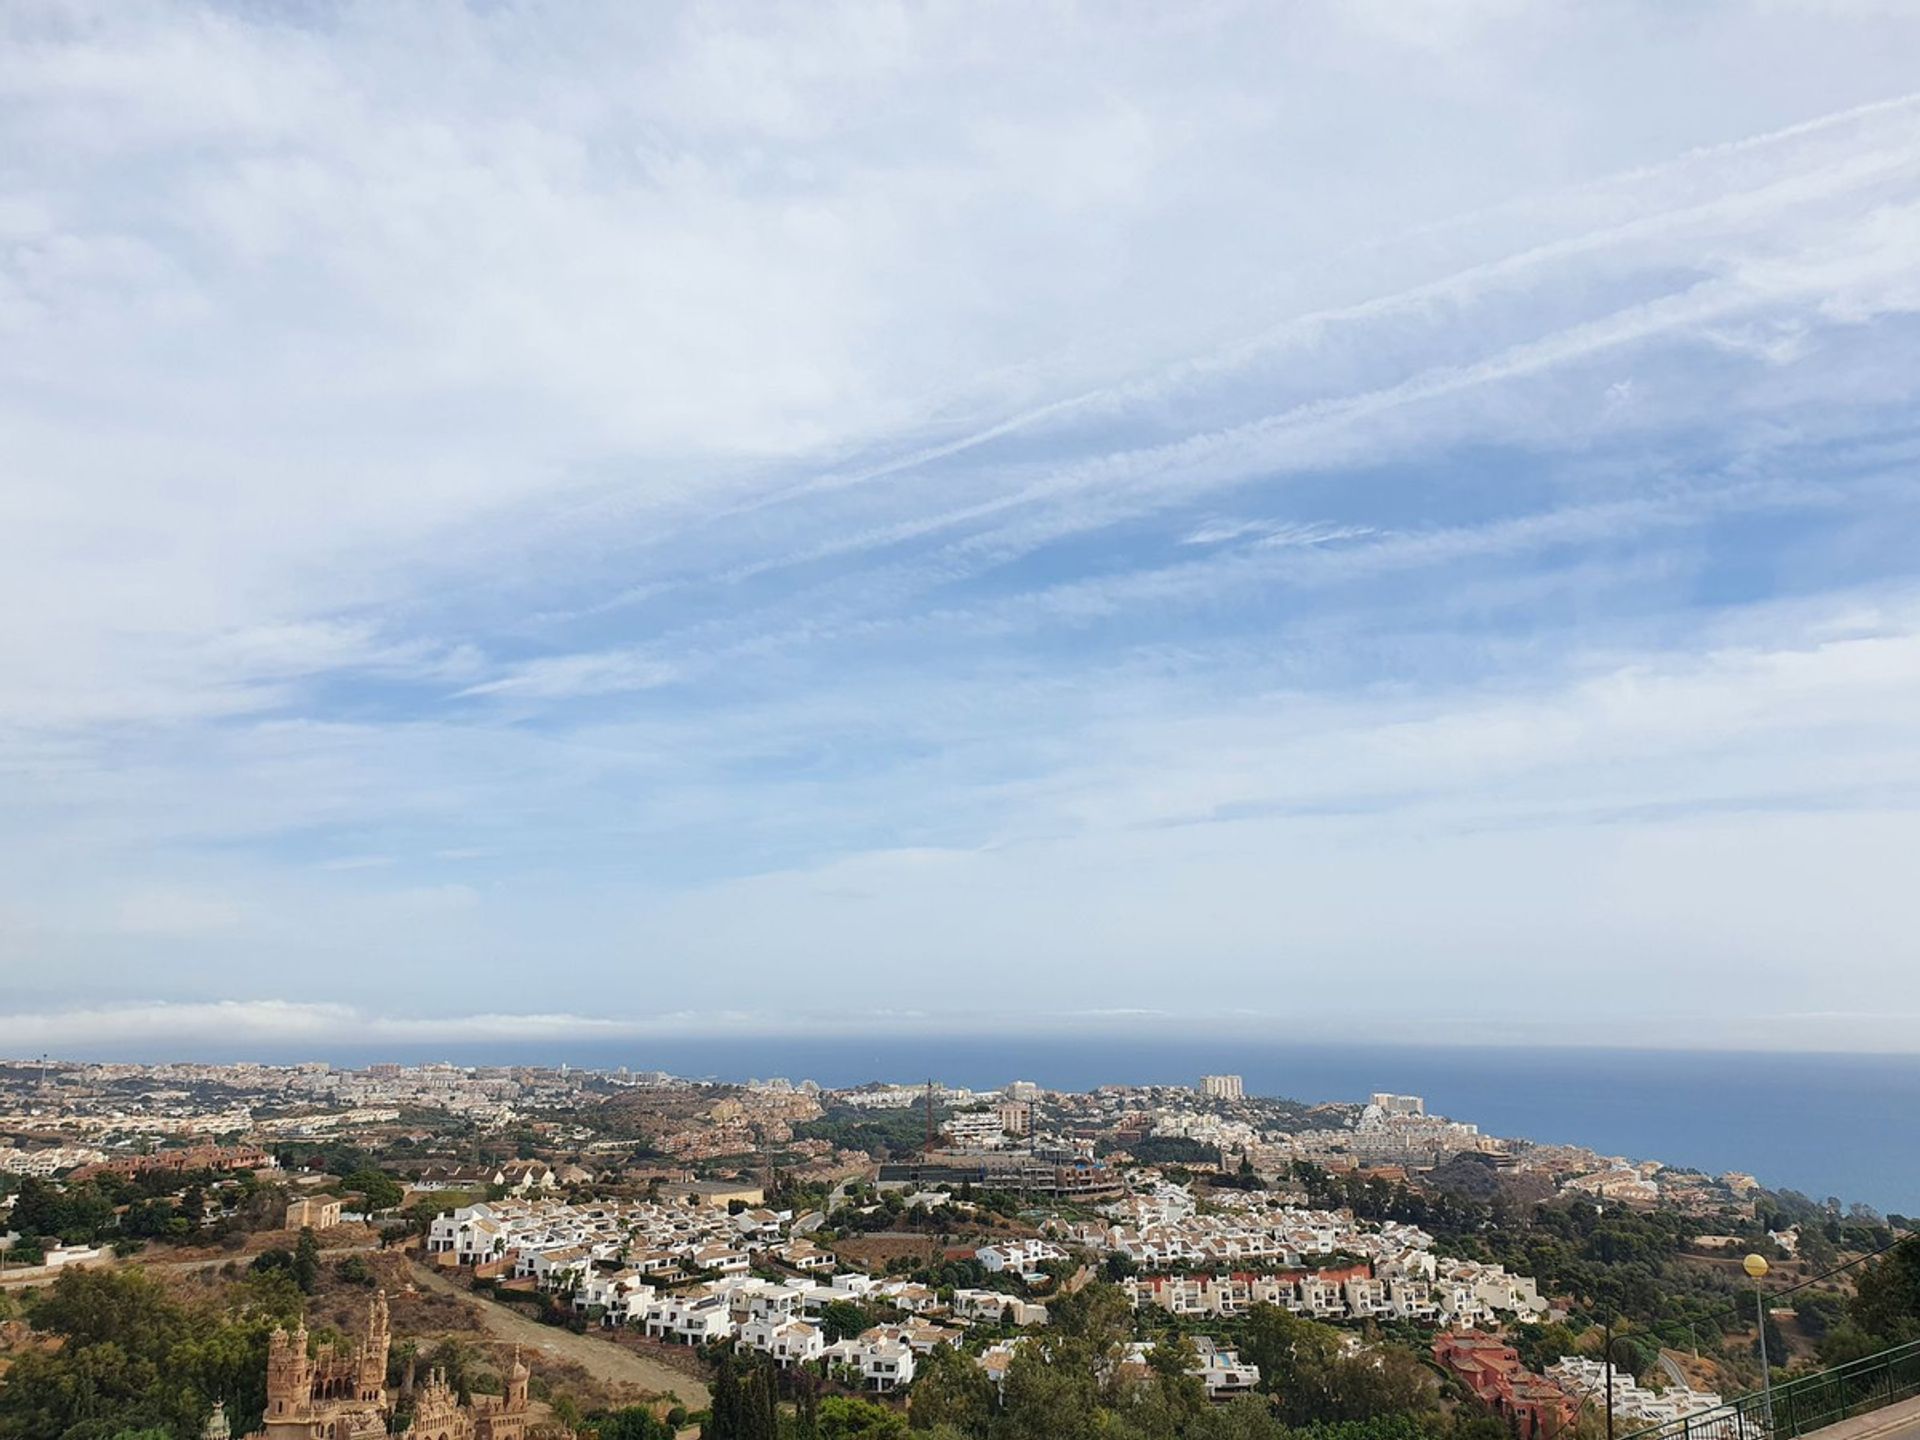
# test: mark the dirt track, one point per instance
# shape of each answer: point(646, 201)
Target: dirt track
point(604, 1360)
point(157, 1260)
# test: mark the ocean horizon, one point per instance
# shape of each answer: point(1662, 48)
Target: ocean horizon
point(1824, 1124)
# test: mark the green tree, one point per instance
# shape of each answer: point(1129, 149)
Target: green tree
point(842, 1318)
point(1306, 1366)
point(133, 1358)
point(1541, 1345)
point(843, 1417)
point(950, 1389)
point(1820, 1312)
point(1886, 1302)
point(1247, 1418)
point(1051, 1392)
point(1174, 1391)
point(725, 1417)
point(76, 1214)
point(761, 1410)
point(381, 1190)
point(306, 1261)
point(1097, 1314)
point(636, 1422)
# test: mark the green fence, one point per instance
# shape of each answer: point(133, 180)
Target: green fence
point(1808, 1403)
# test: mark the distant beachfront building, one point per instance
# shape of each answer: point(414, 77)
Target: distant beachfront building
point(1223, 1087)
point(1398, 1104)
point(971, 1129)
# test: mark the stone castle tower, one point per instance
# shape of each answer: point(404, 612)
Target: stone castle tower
point(342, 1396)
point(289, 1374)
point(373, 1354)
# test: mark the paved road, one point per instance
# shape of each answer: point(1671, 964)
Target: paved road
point(1675, 1375)
point(600, 1358)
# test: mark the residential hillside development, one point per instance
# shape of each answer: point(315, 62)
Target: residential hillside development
point(1586, 1379)
point(873, 1242)
point(695, 1275)
point(1250, 1250)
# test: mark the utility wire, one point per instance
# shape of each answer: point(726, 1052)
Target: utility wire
point(1738, 1309)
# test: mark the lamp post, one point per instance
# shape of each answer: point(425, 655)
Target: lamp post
point(1756, 1266)
point(1606, 1333)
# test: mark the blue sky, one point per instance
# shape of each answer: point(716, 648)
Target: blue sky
point(1380, 519)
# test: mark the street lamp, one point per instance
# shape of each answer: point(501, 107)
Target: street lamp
point(1607, 1339)
point(1757, 1267)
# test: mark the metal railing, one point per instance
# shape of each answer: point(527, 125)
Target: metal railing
point(1802, 1405)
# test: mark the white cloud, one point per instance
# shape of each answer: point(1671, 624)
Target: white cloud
point(574, 675)
point(649, 496)
point(285, 1030)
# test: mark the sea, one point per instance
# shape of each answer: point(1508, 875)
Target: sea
point(1845, 1126)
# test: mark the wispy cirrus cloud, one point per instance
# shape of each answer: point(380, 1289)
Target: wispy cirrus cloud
point(503, 493)
point(565, 676)
point(1275, 534)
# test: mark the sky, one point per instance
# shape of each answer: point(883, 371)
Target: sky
point(1377, 518)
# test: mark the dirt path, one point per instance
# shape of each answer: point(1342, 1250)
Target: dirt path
point(602, 1359)
point(157, 1260)
point(214, 1262)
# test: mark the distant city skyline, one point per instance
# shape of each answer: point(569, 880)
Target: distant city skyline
point(585, 523)
point(1716, 1110)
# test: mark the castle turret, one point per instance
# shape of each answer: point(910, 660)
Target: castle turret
point(289, 1373)
point(373, 1355)
point(517, 1377)
point(217, 1428)
point(435, 1405)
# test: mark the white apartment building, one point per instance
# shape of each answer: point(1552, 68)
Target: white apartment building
point(788, 1341)
point(1023, 1257)
point(1389, 1104)
point(1366, 1297)
point(994, 1308)
point(977, 1129)
point(1221, 1370)
point(48, 1162)
point(882, 1361)
point(1584, 1379)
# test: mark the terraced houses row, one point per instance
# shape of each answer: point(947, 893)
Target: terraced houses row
point(1466, 1294)
point(1246, 1250)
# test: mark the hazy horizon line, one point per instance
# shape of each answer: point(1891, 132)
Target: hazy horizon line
point(184, 1032)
